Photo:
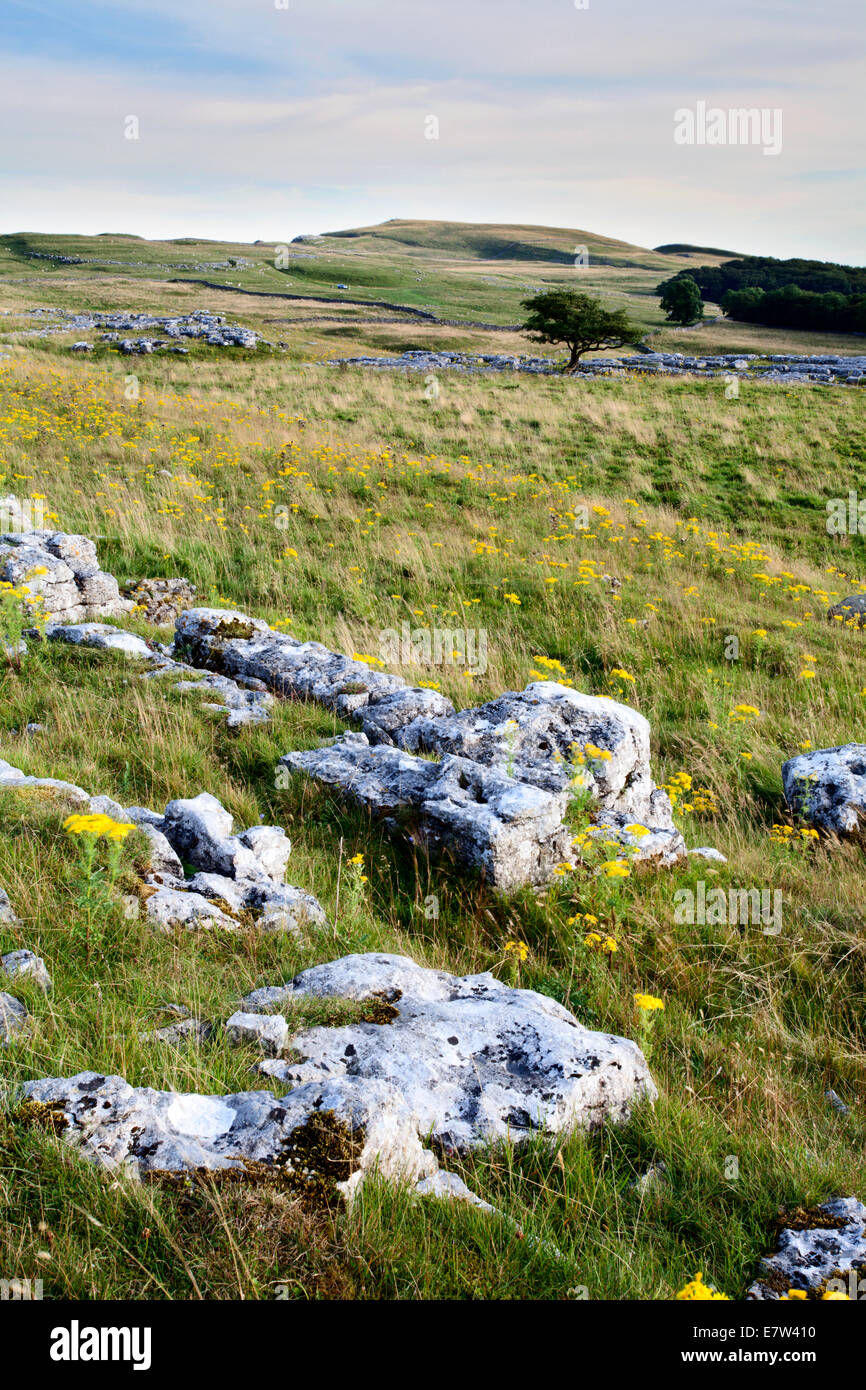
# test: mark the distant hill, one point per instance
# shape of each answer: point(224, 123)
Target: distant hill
point(496, 242)
point(684, 248)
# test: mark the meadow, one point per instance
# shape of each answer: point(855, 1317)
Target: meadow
point(338, 504)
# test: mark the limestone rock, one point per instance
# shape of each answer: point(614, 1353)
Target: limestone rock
point(805, 1259)
point(200, 830)
point(15, 1022)
point(100, 635)
point(64, 571)
point(828, 787)
point(173, 907)
point(63, 791)
point(849, 612)
point(240, 646)
point(471, 1058)
point(268, 1032)
point(329, 1133)
point(160, 600)
point(6, 912)
point(26, 963)
point(510, 830)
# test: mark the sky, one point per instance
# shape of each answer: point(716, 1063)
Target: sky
point(265, 119)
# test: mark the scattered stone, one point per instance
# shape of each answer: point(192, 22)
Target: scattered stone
point(63, 570)
point(836, 1103)
point(26, 963)
point(849, 612)
point(7, 914)
point(15, 1022)
point(63, 791)
point(810, 1254)
point(707, 852)
point(231, 642)
point(160, 600)
point(827, 787)
point(200, 830)
point(181, 1034)
point(320, 1138)
point(171, 907)
point(268, 1032)
point(471, 1058)
point(653, 1180)
point(99, 635)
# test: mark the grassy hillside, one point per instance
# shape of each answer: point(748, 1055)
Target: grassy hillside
point(461, 512)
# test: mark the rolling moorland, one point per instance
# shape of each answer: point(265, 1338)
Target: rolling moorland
point(336, 504)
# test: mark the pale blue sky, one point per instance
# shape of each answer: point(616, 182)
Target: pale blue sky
point(259, 122)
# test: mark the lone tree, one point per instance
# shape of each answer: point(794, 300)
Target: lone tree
point(578, 320)
point(682, 301)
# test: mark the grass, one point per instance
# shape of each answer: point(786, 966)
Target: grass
point(340, 505)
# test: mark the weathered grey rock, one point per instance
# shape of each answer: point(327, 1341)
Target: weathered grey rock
point(242, 706)
point(15, 1022)
point(836, 1103)
point(100, 635)
point(660, 847)
point(200, 830)
point(328, 1134)
point(170, 907)
point(806, 1259)
point(161, 858)
point(274, 906)
point(286, 908)
point(186, 1032)
point(270, 847)
point(450, 1187)
point(707, 852)
point(6, 912)
point(268, 1032)
point(229, 641)
point(471, 1058)
point(159, 601)
point(538, 734)
point(63, 570)
point(511, 831)
point(849, 612)
point(64, 791)
point(827, 787)
point(20, 964)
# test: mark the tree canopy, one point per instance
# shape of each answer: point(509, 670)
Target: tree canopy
point(578, 320)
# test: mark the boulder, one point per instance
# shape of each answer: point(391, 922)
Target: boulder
point(509, 830)
point(170, 907)
point(472, 1059)
point(64, 571)
point(100, 635)
point(321, 1138)
point(827, 787)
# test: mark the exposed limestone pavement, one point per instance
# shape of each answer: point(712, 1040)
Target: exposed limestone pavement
point(829, 1245)
point(499, 797)
point(465, 1060)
